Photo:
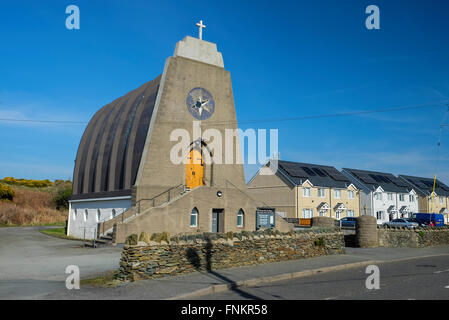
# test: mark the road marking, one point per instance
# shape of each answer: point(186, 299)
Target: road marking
point(441, 271)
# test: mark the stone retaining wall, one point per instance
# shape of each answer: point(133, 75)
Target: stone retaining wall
point(216, 251)
point(414, 238)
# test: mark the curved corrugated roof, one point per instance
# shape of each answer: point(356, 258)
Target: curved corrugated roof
point(110, 150)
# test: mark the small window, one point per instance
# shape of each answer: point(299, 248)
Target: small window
point(307, 213)
point(75, 213)
point(98, 215)
point(401, 197)
point(240, 216)
point(114, 213)
point(337, 215)
point(86, 215)
point(350, 194)
point(337, 194)
point(390, 196)
point(306, 192)
point(379, 215)
point(194, 217)
point(350, 213)
point(411, 198)
point(378, 196)
point(321, 193)
point(441, 200)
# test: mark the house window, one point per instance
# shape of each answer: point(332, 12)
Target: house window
point(98, 215)
point(350, 194)
point(401, 197)
point(321, 192)
point(441, 200)
point(75, 213)
point(337, 194)
point(350, 213)
point(378, 196)
point(114, 213)
point(337, 214)
point(411, 198)
point(390, 196)
point(379, 215)
point(86, 215)
point(240, 216)
point(306, 192)
point(194, 217)
point(307, 213)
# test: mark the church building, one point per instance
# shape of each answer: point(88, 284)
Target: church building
point(128, 177)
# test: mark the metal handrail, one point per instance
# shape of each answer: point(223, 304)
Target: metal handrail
point(157, 196)
point(137, 207)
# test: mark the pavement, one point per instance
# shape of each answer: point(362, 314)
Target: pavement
point(32, 266)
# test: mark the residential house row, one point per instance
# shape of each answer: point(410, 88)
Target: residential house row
point(304, 190)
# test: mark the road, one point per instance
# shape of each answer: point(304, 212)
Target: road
point(33, 264)
point(420, 278)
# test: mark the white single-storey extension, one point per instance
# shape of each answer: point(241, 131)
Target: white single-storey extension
point(85, 214)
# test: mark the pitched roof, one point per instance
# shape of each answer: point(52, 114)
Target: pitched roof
point(424, 186)
point(318, 175)
point(373, 179)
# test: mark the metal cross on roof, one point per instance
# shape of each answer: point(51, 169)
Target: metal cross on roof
point(201, 26)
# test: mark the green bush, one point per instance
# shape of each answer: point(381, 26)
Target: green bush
point(62, 196)
point(6, 192)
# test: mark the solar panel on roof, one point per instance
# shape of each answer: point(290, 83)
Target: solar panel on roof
point(335, 174)
point(319, 172)
point(310, 172)
point(294, 171)
point(419, 184)
point(427, 183)
point(399, 182)
point(376, 178)
point(365, 178)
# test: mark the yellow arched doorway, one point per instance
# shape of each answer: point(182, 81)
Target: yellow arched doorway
point(194, 169)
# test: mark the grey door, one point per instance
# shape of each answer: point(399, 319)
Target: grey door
point(217, 220)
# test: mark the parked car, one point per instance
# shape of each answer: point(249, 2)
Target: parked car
point(348, 222)
point(401, 223)
point(432, 219)
point(420, 223)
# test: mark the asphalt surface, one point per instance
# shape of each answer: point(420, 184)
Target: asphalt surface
point(33, 264)
point(420, 279)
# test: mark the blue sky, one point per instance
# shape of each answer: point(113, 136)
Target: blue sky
point(286, 58)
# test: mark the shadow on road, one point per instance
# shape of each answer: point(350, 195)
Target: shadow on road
point(195, 260)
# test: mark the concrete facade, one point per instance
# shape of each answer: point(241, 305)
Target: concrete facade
point(172, 133)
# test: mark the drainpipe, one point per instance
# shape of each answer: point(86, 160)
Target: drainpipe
point(68, 218)
point(330, 202)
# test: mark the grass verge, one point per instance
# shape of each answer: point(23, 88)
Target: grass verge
point(105, 280)
point(58, 233)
